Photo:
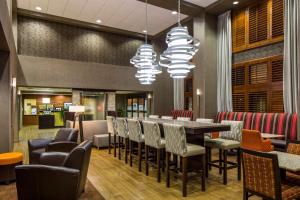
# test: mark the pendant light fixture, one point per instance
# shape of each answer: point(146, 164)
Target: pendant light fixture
point(181, 49)
point(145, 59)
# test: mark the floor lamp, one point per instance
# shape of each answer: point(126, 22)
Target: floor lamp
point(78, 110)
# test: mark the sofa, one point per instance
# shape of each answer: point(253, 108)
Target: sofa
point(94, 130)
point(273, 123)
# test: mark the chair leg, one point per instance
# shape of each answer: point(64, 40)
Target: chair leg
point(207, 161)
point(109, 143)
point(184, 176)
point(119, 147)
point(167, 169)
point(209, 158)
point(115, 143)
point(225, 167)
point(158, 164)
point(126, 150)
point(204, 170)
point(146, 161)
point(131, 152)
point(140, 156)
point(163, 160)
point(239, 163)
point(245, 194)
point(220, 161)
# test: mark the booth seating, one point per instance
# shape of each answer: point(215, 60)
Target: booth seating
point(8, 161)
point(273, 123)
point(182, 113)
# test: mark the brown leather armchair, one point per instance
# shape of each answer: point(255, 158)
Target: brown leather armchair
point(60, 176)
point(64, 141)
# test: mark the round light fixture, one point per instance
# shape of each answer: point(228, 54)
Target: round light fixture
point(38, 8)
point(174, 12)
point(144, 31)
point(98, 21)
point(235, 3)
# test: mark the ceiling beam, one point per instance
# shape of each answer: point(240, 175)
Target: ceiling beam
point(186, 7)
point(222, 6)
point(73, 22)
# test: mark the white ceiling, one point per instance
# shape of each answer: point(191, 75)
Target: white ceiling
point(122, 14)
point(202, 3)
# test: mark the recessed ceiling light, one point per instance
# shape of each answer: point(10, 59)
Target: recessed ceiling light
point(174, 12)
point(38, 8)
point(98, 21)
point(235, 3)
point(144, 31)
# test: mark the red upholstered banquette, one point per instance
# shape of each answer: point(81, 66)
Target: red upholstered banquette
point(275, 123)
point(182, 113)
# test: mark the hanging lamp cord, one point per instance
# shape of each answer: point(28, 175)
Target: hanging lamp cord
point(178, 16)
point(146, 34)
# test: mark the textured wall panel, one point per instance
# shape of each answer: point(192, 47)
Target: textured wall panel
point(54, 40)
point(261, 52)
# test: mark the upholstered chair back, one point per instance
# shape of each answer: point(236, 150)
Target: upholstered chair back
point(183, 119)
point(235, 132)
point(152, 134)
point(66, 134)
point(153, 116)
point(135, 130)
point(167, 117)
point(122, 128)
point(204, 120)
point(261, 173)
point(111, 127)
point(175, 139)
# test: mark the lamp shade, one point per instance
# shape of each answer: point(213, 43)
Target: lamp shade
point(77, 109)
point(46, 100)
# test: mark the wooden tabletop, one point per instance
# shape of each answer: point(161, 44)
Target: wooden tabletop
point(192, 125)
point(288, 161)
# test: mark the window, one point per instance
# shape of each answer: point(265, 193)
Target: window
point(260, 89)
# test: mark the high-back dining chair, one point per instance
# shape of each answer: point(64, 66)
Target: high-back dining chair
point(111, 128)
point(122, 131)
point(153, 139)
point(154, 116)
point(261, 177)
point(135, 135)
point(167, 117)
point(176, 143)
point(183, 119)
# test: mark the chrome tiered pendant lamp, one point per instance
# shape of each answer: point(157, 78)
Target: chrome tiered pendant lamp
point(145, 60)
point(181, 49)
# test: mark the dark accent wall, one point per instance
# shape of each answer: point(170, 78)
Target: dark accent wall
point(43, 38)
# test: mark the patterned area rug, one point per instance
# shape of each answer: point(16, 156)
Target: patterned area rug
point(9, 192)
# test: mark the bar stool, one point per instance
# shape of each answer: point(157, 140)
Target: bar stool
point(135, 135)
point(207, 136)
point(153, 139)
point(175, 137)
point(153, 116)
point(123, 136)
point(111, 128)
point(228, 140)
point(183, 119)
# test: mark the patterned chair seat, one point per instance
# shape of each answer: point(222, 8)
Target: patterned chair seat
point(193, 150)
point(290, 192)
point(222, 143)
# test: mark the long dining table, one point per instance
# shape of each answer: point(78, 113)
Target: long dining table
point(195, 131)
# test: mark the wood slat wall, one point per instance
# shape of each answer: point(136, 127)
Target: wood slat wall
point(257, 85)
point(258, 24)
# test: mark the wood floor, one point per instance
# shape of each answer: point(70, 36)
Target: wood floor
point(116, 180)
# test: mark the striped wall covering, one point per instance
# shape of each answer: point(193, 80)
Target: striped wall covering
point(182, 113)
point(275, 123)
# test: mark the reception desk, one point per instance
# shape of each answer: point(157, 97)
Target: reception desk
point(46, 121)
